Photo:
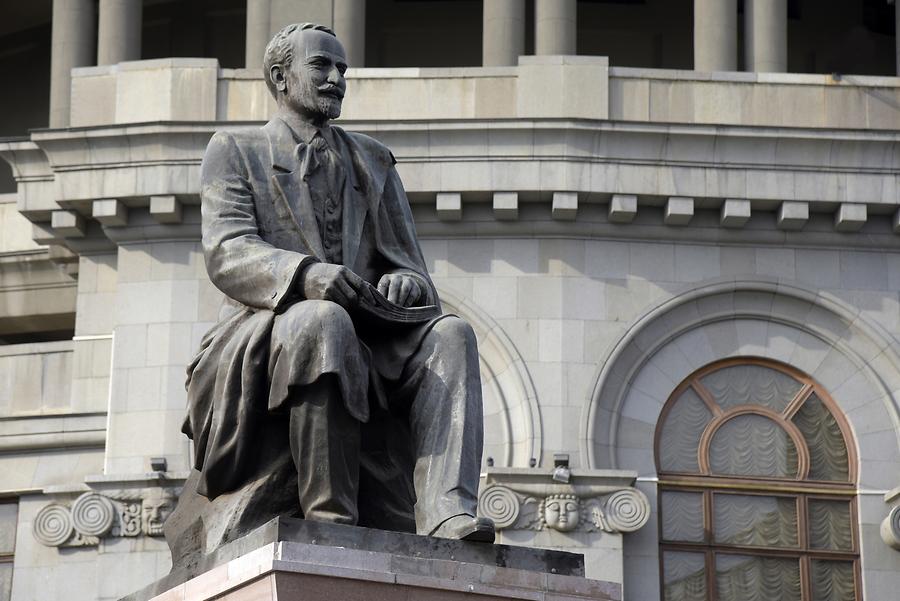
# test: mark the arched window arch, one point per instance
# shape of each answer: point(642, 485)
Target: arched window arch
point(757, 481)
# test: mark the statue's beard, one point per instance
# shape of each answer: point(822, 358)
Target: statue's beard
point(314, 104)
point(329, 107)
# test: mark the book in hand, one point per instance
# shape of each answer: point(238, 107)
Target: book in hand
point(373, 303)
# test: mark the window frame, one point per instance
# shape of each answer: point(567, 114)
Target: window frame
point(800, 488)
point(9, 558)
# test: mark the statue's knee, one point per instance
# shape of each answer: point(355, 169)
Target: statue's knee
point(454, 331)
point(324, 317)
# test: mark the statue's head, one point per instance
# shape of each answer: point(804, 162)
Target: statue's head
point(155, 509)
point(304, 69)
point(561, 512)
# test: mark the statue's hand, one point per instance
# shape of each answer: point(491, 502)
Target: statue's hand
point(336, 283)
point(400, 288)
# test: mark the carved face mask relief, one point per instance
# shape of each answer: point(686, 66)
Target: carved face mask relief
point(154, 512)
point(562, 512)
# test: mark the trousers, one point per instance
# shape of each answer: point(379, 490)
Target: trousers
point(419, 457)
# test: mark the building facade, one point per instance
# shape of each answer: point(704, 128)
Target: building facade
point(672, 224)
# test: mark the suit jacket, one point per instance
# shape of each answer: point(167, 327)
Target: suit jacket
point(259, 230)
point(259, 225)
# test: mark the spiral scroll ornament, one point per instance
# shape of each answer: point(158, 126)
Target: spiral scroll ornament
point(627, 510)
point(52, 525)
point(499, 504)
point(890, 528)
point(93, 514)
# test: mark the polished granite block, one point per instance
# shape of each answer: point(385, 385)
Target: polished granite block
point(291, 559)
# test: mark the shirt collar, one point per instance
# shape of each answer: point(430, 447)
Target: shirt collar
point(305, 132)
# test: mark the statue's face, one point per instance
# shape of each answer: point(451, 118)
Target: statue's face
point(561, 514)
point(154, 512)
point(314, 81)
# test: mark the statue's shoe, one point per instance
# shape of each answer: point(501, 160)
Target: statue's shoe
point(468, 528)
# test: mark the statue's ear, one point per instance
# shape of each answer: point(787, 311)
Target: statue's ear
point(276, 74)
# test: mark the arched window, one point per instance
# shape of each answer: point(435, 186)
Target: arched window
point(757, 475)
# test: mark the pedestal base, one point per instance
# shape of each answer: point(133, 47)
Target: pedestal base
point(310, 561)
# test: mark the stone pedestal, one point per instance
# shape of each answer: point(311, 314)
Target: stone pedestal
point(290, 559)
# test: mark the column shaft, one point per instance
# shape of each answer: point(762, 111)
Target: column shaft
point(555, 26)
point(503, 32)
point(350, 27)
point(715, 35)
point(72, 45)
point(897, 35)
point(765, 35)
point(258, 18)
point(119, 31)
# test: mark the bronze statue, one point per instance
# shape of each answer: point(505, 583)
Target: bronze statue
point(331, 348)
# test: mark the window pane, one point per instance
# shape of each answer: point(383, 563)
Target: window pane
point(6, 575)
point(829, 525)
point(682, 515)
point(752, 445)
point(8, 515)
point(754, 520)
point(684, 576)
point(827, 451)
point(681, 434)
point(751, 385)
point(745, 578)
point(832, 580)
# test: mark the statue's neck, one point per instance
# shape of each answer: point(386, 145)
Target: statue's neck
point(299, 122)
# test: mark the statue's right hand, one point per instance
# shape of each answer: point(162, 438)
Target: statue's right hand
point(336, 283)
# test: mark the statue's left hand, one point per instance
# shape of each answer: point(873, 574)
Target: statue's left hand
point(400, 288)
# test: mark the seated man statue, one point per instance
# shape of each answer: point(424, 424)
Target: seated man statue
point(306, 227)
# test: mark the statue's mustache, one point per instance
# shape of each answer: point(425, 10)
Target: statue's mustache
point(331, 90)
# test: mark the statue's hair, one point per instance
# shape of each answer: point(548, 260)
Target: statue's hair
point(280, 50)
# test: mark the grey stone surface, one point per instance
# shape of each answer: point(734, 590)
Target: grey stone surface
point(110, 211)
point(734, 213)
point(119, 31)
point(166, 209)
point(679, 210)
point(68, 224)
point(565, 206)
point(555, 27)
point(715, 35)
point(503, 32)
point(622, 208)
point(72, 46)
point(506, 205)
point(333, 541)
point(765, 35)
point(850, 217)
point(449, 206)
point(793, 215)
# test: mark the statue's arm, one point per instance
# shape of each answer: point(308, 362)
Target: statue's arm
point(239, 262)
point(401, 248)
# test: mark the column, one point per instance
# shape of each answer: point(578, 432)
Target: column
point(72, 45)
point(897, 35)
point(350, 27)
point(554, 22)
point(257, 32)
point(765, 35)
point(503, 32)
point(119, 32)
point(715, 35)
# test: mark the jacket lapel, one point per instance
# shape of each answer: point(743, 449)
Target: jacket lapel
point(355, 208)
point(292, 200)
point(362, 195)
